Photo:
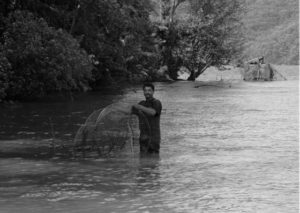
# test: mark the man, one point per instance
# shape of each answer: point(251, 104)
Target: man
point(149, 112)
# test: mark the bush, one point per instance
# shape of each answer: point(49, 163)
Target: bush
point(5, 68)
point(42, 59)
point(117, 33)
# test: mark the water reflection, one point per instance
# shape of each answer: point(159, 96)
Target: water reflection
point(148, 174)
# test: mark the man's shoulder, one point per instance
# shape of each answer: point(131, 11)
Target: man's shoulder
point(156, 100)
point(152, 102)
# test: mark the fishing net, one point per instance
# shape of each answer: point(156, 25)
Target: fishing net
point(112, 129)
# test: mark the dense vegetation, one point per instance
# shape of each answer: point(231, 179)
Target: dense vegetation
point(272, 30)
point(41, 59)
point(71, 45)
point(210, 36)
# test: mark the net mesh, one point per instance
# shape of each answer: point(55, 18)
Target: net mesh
point(112, 129)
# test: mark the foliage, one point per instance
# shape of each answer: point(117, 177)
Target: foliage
point(5, 69)
point(57, 13)
point(116, 32)
point(272, 30)
point(171, 35)
point(207, 35)
point(211, 35)
point(63, 45)
point(42, 59)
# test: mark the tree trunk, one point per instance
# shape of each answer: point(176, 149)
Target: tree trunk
point(195, 75)
point(192, 76)
point(201, 70)
point(75, 15)
point(168, 58)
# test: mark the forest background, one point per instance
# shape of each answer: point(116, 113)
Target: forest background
point(50, 46)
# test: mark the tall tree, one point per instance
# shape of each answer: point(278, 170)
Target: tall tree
point(168, 11)
point(36, 59)
point(213, 35)
point(209, 36)
point(116, 32)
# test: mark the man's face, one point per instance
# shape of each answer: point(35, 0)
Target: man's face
point(148, 92)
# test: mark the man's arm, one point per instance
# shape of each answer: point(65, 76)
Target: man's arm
point(147, 110)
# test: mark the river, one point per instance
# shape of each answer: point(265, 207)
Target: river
point(226, 147)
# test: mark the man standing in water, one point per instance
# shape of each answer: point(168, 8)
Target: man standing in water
point(149, 110)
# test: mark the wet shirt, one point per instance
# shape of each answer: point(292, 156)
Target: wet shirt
point(154, 121)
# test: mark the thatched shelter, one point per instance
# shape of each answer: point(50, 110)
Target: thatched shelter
point(256, 70)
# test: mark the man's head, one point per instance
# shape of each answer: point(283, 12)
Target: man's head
point(148, 90)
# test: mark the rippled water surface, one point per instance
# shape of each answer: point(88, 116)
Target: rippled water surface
point(225, 148)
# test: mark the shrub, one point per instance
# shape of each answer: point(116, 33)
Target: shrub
point(5, 68)
point(42, 58)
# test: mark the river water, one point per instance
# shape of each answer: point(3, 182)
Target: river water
point(226, 147)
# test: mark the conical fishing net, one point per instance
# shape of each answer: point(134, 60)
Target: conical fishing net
point(112, 129)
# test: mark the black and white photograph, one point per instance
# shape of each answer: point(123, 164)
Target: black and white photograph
point(149, 106)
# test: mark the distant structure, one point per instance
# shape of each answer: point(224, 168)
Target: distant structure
point(256, 70)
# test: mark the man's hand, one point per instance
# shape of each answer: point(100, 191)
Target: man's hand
point(146, 110)
point(136, 106)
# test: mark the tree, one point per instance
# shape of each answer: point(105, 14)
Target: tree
point(5, 69)
point(212, 35)
point(208, 36)
point(38, 59)
point(116, 33)
point(168, 10)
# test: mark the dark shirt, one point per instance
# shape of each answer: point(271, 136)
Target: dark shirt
point(154, 121)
